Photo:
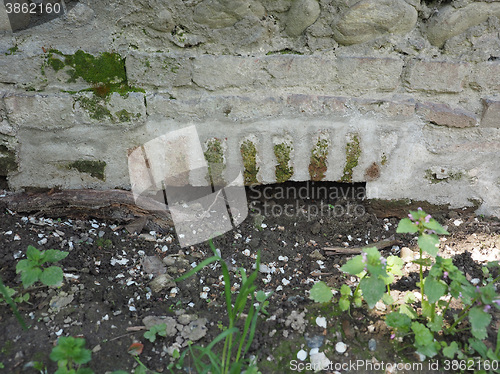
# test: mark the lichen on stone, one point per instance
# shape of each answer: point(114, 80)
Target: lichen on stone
point(249, 154)
point(283, 169)
point(214, 155)
point(352, 151)
point(94, 168)
point(317, 164)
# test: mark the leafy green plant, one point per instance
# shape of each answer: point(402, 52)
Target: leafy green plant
point(11, 292)
point(160, 329)
point(31, 268)
point(236, 342)
point(70, 353)
point(433, 322)
point(4, 291)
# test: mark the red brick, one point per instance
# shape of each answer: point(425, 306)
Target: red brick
point(444, 115)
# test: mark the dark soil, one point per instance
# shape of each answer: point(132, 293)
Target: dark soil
point(106, 290)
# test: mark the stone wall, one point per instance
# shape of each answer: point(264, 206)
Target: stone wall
point(402, 95)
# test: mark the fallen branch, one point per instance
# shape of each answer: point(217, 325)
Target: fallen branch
point(332, 251)
point(114, 205)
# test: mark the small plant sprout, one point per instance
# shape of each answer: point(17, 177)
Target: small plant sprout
point(70, 353)
point(32, 269)
point(160, 329)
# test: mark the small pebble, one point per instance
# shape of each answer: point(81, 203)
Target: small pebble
point(372, 344)
point(340, 347)
point(302, 355)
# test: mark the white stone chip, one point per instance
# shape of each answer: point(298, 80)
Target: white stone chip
point(321, 322)
point(340, 347)
point(302, 355)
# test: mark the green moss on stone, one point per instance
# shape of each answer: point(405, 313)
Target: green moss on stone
point(283, 169)
point(249, 155)
point(105, 72)
point(352, 151)
point(286, 51)
point(215, 159)
point(384, 159)
point(94, 168)
point(317, 165)
point(7, 161)
point(125, 116)
point(96, 107)
point(12, 51)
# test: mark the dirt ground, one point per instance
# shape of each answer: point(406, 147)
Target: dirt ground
point(108, 294)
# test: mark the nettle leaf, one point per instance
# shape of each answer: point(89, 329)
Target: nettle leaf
point(33, 254)
point(423, 336)
point(451, 350)
point(406, 226)
point(53, 255)
point(24, 265)
point(434, 225)
point(395, 265)
point(408, 310)
point(398, 321)
point(321, 293)
point(52, 276)
point(345, 290)
point(429, 243)
point(373, 289)
point(479, 320)
point(423, 261)
point(30, 276)
point(437, 324)
point(387, 299)
point(344, 304)
point(354, 266)
point(434, 289)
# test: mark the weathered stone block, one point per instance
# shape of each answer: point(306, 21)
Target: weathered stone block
point(444, 115)
point(158, 70)
point(491, 113)
point(486, 76)
point(20, 70)
point(217, 72)
point(297, 70)
point(312, 104)
point(435, 76)
point(363, 74)
point(390, 109)
point(40, 111)
point(302, 14)
point(236, 108)
point(369, 19)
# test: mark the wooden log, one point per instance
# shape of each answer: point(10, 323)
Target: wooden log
point(332, 251)
point(112, 205)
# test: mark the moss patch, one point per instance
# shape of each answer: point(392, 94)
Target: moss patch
point(125, 116)
point(12, 51)
point(7, 161)
point(249, 155)
point(352, 151)
point(94, 168)
point(105, 72)
point(286, 51)
point(283, 169)
point(96, 107)
point(215, 158)
point(317, 164)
